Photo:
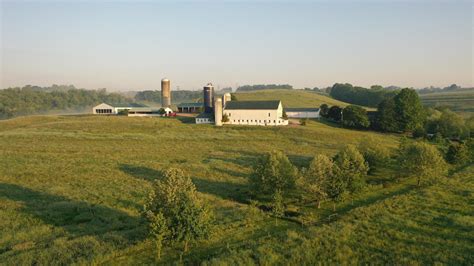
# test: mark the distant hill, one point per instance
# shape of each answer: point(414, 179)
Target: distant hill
point(290, 98)
point(264, 87)
point(461, 101)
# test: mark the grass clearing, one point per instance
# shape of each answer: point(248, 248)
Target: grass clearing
point(72, 188)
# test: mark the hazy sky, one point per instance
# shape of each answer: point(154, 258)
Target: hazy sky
point(131, 46)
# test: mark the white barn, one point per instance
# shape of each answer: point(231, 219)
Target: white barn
point(302, 112)
point(262, 113)
point(104, 108)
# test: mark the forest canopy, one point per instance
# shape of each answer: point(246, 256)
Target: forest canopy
point(39, 100)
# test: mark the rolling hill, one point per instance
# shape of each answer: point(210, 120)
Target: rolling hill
point(290, 98)
point(458, 101)
point(72, 189)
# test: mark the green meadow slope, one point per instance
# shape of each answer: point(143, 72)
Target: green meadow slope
point(72, 189)
point(290, 98)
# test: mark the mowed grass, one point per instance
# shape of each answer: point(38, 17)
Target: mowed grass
point(290, 98)
point(72, 188)
point(459, 101)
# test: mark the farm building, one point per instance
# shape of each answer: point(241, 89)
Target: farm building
point(104, 108)
point(205, 118)
point(147, 111)
point(263, 113)
point(302, 112)
point(190, 107)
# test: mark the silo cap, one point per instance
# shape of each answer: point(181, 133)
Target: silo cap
point(165, 79)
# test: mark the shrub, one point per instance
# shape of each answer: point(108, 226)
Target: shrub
point(458, 153)
point(303, 121)
point(355, 116)
point(314, 178)
point(352, 167)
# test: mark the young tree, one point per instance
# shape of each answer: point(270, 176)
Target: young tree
point(225, 118)
point(336, 186)
point(158, 229)
point(355, 116)
point(315, 178)
point(421, 160)
point(273, 172)
point(278, 207)
point(409, 110)
point(374, 151)
point(352, 167)
point(174, 211)
point(452, 125)
point(323, 110)
point(335, 113)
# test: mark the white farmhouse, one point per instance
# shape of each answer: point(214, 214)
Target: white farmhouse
point(302, 112)
point(262, 113)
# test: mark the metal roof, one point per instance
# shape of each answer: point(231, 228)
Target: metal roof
point(205, 115)
point(301, 109)
point(191, 105)
point(252, 105)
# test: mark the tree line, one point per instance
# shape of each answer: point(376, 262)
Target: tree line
point(176, 96)
point(360, 95)
point(403, 113)
point(264, 87)
point(36, 100)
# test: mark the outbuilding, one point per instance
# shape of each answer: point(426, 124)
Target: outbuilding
point(190, 107)
point(302, 112)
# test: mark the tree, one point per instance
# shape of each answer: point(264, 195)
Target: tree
point(174, 211)
point(303, 121)
point(374, 151)
point(336, 186)
point(452, 125)
point(225, 118)
point(284, 115)
point(386, 118)
point(458, 153)
point(273, 172)
point(162, 111)
point(421, 160)
point(352, 167)
point(315, 177)
point(409, 110)
point(323, 110)
point(335, 113)
point(233, 97)
point(278, 208)
point(158, 229)
point(355, 116)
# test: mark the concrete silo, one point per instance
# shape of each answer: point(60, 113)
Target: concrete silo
point(208, 98)
point(226, 98)
point(218, 112)
point(165, 92)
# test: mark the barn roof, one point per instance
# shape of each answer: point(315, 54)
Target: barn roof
point(252, 105)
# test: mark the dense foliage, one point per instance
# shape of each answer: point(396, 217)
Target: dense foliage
point(264, 87)
point(355, 116)
point(39, 100)
point(359, 95)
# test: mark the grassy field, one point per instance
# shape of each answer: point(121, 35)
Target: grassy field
point(459, 101)
point(72, 188)
point(290, 98)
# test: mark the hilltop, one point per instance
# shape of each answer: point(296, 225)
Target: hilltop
point(290, 98)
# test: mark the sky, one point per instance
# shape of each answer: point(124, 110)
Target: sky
point(125, 45)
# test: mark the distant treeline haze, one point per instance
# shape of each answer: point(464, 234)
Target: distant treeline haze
point(264, 87)
point(40, 100)
point(176, 96)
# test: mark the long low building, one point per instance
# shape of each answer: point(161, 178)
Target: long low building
point(190, 107)
point(262, 113)
point(130, 110)
point(302, 112)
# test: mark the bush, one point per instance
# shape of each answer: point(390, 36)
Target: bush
point(355, 117)
point(352, 167)
point(314, 179)
point(458, 153)
point(419, 132)
point(303, 121)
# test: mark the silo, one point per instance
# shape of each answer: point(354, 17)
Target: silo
point(226, 98)
point(165, 92)
point(218, 112)
point(208, 98)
